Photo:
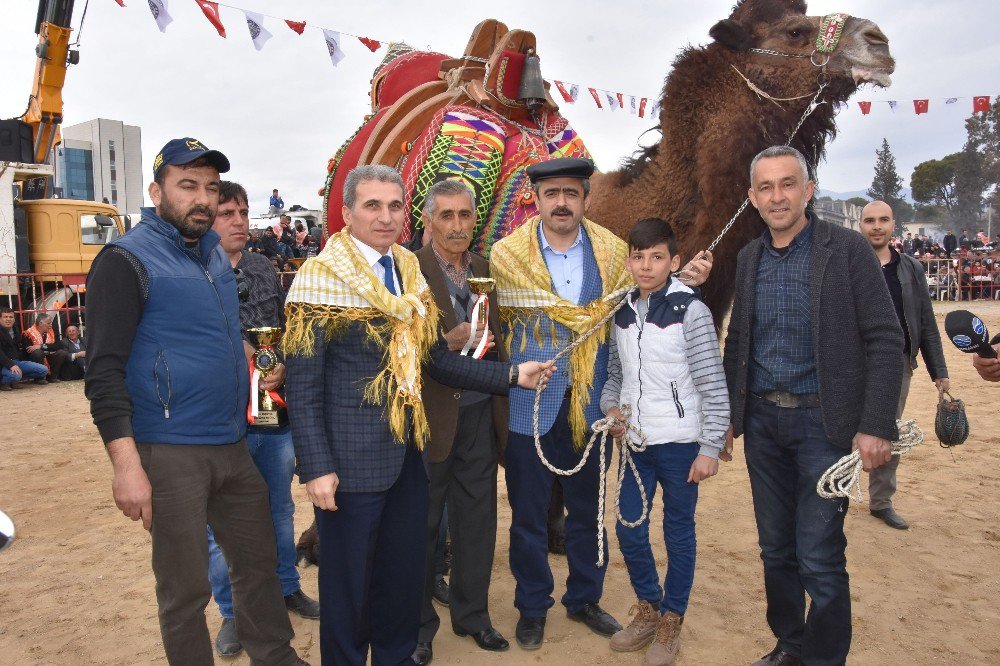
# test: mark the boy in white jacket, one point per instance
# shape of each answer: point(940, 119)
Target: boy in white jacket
point(665, 364)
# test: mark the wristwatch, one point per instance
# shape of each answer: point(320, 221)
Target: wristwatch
point(514, 372)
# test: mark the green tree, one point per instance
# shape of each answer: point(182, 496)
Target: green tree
point(858, 201)
point(933, 182)
point(887, 185)
point(983, 131)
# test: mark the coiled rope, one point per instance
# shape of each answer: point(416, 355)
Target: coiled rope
point(845, 474)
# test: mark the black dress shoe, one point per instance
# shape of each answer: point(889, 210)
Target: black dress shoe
point(302, 605)
point(423, 654)
point(441, 591)
point(530, 632)
point(227, 643)
point(891, 518)
point(597, 620)
point(778, 657)
point(487, 639)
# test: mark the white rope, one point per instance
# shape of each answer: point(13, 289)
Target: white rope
point(845, 474)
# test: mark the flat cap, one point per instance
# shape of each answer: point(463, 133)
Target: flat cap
point(564, 167)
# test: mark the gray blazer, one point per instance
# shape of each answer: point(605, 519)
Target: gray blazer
point(856, 334)
point(919, 315)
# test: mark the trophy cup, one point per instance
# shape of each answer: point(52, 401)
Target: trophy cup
point(266, 407)
point(480, 317)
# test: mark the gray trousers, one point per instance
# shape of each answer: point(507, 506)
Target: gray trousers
point(882, 480)
point(218, 485)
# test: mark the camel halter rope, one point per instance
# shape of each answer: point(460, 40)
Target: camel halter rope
point(845, 474)
point(602, 427)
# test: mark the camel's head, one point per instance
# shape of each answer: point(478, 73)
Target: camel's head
point(768, 29)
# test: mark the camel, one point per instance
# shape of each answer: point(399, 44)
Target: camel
point(713, 124)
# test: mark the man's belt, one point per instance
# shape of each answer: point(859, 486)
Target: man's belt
point(789, 400)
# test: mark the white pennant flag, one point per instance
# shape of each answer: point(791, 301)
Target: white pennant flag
point(633, 105)
point(951, 100)
point(160, 13)
point(612, 100)
point(258, 33)
point(333, 46)
point(892, 105)
point(574, 91)
point(654, 110)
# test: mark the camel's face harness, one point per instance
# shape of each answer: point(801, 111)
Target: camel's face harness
point(827, 41)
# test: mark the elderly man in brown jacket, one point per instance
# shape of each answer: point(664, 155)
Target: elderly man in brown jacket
point(468, 429)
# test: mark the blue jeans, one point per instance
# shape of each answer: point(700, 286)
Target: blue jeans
point(29, 370)
point(668, 465)
point(274, 455)
point(285, 250)
point(801, 535)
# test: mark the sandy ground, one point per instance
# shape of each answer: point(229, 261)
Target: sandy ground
point(76, 586)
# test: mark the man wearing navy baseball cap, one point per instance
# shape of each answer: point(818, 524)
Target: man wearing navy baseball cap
point(168, 387)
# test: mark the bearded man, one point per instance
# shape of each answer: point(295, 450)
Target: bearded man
point(168, 387)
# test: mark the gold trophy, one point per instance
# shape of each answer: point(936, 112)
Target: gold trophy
point(480, 317)
point(266, 407)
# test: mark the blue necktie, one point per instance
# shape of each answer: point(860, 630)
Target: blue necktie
point(390, 283)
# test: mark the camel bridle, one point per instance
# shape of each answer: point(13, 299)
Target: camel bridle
point(827, 41)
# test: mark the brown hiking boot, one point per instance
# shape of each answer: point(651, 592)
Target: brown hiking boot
point(640, 631)
point(667, 642)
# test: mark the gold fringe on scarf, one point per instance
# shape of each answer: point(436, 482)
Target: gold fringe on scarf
point(526, 297)
point(338, 288)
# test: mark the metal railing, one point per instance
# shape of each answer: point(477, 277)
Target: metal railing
point(959, 280)
point(47, 293)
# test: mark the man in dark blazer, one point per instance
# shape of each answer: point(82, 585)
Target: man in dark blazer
point(466, 427)
point(74, 345)
point(911, 300)
point(812, 362)
point(370, 490)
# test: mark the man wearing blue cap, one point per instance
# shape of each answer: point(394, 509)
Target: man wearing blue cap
point(168, 385)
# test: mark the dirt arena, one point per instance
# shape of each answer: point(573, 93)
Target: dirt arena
point(76, 587)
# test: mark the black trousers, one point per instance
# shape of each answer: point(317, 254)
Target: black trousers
point(219, 486)
point(371, 571)
point(467, 481)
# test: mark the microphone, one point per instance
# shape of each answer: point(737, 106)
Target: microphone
point(968, 333)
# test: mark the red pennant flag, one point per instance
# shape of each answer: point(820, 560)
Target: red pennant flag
point(621, 101)
point(642, 107)
point(597, 98)
point(211, 11)
point(920, 106)
point(297, 26)
point(373, 45)
point(866, 108)
point(121, 3)
point(981, 104)
point(562, 91)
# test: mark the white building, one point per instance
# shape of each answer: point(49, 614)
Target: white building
point(101, 159)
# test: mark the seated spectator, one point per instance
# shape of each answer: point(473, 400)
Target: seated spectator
point(253, 242)
point(76, 347)
point(286, 237)
point(269, 243)
point(40, 344)
point(14, 363)
point(300, 239)
point(311, 248)
point(276, 205)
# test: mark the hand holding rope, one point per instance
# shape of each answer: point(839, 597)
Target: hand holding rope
point(845, 474)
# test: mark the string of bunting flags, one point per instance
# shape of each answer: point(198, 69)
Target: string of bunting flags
point(643, 107)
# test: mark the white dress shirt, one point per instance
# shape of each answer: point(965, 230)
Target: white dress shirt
point(372, 256)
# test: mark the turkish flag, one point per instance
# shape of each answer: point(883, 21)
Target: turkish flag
point(297, 26)
point(597, 98)
point(981, 104)
point(621, 100)
point(121, 3)
point(211, 11)
point(920, 106)
point(562, 91)
point(372, 44)
point(642, 107)
point(866, 108)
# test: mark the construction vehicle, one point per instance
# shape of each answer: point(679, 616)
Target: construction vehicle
point(51, 241)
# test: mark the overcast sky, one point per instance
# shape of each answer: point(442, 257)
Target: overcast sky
point(279, 114)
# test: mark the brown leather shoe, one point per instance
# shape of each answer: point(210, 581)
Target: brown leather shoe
point(778, 657)
point(667, 641)
point(640, 631)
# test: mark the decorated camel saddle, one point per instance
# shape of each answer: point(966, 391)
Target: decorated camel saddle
point(481, 118)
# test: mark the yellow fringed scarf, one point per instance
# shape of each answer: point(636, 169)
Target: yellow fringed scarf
point(525, 295)
point(338, 287)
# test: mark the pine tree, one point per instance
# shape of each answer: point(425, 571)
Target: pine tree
point(887, 185)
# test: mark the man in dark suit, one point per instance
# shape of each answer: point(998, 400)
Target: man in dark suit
point(76, 347)
point(466, 427)
point(359, 310)
point(812, 362)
